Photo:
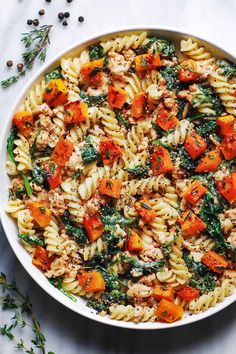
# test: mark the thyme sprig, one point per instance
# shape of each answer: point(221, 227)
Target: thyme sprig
point(13, 298)
point(35, 42)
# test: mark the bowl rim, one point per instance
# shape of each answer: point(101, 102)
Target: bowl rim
point(47, 287)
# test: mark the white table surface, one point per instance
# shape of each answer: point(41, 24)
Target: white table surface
point(67, 332)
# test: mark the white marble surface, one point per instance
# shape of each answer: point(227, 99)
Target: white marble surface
point(66, 332)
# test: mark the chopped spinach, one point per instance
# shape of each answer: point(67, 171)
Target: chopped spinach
point(170, 74)
point(229, 69)
point(207, 95)
point(140, 266)
point(107, 299)
point(122, 120)
point(165, 145)
point(38, 175)
point(10, 143)
point(166, 48)
point(31, 240)
point(53, 74)
point(185, 160)
point(89, 153)
point(110, 217)
point(140, 171)
point(112, 241)
point(77, 233)
point(57, 282)
point(28, 189)
point(208, 214)
point(93, 100)
point(33, 146)
point(203, 279)
point(96, 51)
point(181, 107)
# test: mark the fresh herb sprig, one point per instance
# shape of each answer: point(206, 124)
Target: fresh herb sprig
point(35, 42)
point(14, 299)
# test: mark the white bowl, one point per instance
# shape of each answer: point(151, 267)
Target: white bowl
point(8, 223)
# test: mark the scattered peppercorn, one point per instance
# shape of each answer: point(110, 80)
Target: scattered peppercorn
point(29, 22)
point(69, 1)
point(65, 23)
point(41, 12)
point(81, 19)
point(20, 66)
point(60, 15)
point(48, 0)
point(35, 22)
point(67, 14)
point(9, 63)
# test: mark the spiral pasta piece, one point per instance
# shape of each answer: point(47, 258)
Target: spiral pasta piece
point(177, 262)
point(132, 313)
point(130, 41)
point(71, 197)
point(178, 136)
point(34, 98)
point(212, 298)
point(25, 222)
point(90, 184)
point(193, 51)
point(14, 206)
point(22, 154)
point(51, 237)
point(93, 248)
point(72, 285)
point(111, 126)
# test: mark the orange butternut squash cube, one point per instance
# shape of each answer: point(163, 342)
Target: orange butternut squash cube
point(134, 243)
point(55, 93)
point(214, 261)
point(91, 281)
point(163, 292)
point(145, 210)
point(191, 224)
point(227, 187)
point(24, 122)
point(226, 124)
point(138, 105)
point(195, 145)
point(209, 162)
point(40, 213)
point(111, 187)
point(169, 312)
point(146, 62)
point(161, 161)
point(94, 227)
point(91, 72)
point(194, 192)
point(228, 146)
point(76, 112)
point(116, 97)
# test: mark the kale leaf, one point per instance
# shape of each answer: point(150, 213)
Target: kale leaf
point(53, 74)
point(122, 120)
point(89, 153)
point(31, 240)
point(77, 233)
point(38, 175)
point(96, 51)
point(140, 171)
point(10, 143)
point(142, 267)
point(229, 69)
point(110, 217)
point(92, 100)
point(207, 95)
point(202, 279)
point(57, 282)
point(166, 48)
point(170, 74)
point(207, 126)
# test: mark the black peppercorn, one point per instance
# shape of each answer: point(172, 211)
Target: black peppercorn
point(9, 63)
point(41, 12)
point(48, 0)
point(81, 19)
point(69, 1)
point(67, 14)
point(35, 22)
point(20, 66)
point(29, 22)
point(65, 23)
point(60, 15)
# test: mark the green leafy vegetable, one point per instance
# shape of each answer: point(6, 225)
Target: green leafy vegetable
point(96, 52)
point(77, 233)
point(142, 267)
point(111, 217)
point(89, 153)
point(53, 74)
point(33, 146)
point(140, 171)
point(229, 69)
point(207, 95)
point(93, 100)
point(31, 240)
point(202, 279)
point(38, 175)
point(166, 48)
point(206, 127)
point(10, 143)
point(170, 74)
point(208, 214)
point(122, 120)
point(28, 189)
point(57, 282)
